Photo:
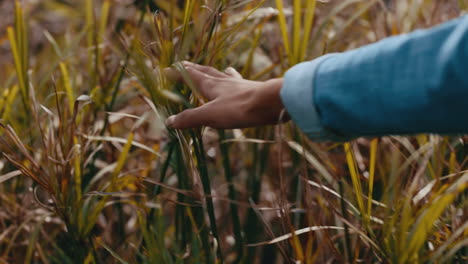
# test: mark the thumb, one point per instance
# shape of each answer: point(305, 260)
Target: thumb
point(190, 118)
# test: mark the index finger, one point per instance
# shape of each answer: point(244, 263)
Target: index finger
point(201, 83)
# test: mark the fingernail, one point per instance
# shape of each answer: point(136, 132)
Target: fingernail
point(170, 121)
point(230, 70)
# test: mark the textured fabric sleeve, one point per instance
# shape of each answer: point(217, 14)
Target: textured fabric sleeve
point(414, 83)
point(297, 96)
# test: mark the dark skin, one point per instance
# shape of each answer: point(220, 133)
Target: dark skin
point(234, 102)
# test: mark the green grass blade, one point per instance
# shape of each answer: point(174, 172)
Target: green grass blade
point(202, 167)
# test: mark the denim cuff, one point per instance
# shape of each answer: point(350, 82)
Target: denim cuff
point(297, 96)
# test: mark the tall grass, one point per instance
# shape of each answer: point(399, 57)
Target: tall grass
point(90, 174)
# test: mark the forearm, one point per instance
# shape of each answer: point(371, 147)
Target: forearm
point(403, 85)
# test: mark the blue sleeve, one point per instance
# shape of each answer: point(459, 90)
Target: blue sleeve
point(414, 83)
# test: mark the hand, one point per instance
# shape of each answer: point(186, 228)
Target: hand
point(233, 101)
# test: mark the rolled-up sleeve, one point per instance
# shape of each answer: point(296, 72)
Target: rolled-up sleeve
point(297, 96)
point(414, 83)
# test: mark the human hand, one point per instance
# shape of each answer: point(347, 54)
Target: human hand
point(233, 101)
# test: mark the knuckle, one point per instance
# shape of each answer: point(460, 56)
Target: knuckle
point(207, 80)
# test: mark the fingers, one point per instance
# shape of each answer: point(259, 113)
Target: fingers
point(175, 75)
point(233, 73)
point(205, 69)
point(191, 118)
point(202, 81)
point(205, 83)
point(229, 72)
point(205, 79)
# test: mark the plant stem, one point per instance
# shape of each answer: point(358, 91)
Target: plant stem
point(180, 210)
point(232, 196)
point(347, 240)
point(165, 167)
point(203, 169)
point(260, 158)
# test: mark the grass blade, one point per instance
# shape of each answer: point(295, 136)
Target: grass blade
point(372, 163)
point(308, 22)
point(354, 176)
point(284, 30)
point(296, 39)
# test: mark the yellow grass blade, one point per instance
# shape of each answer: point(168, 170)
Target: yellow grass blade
point(101, 33)
point(12, 36)
point(11, 96)
point(187, 14)
point(373, 154)
point(89, 20)
point(248, 64)
point(92, 50)
point(67, 85)
point(297, 15)
point(312, 160)
point(112, 252)
point(308, 22)
point(124, 141)
point(425, 222)
point(77, 165)
point(168, 7)
point(188, 80)
point(463, 4)
point(284, 28)
point(87, 224)
point(71, 102)
point(54, 43)
point(3, 98)
point(403, 224)
point(21, 35)
point(297, 246)
point(453, 162)
point(121, 161)
point(354, 176)
point(104, 17)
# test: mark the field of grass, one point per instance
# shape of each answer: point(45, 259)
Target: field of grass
point(90, 174)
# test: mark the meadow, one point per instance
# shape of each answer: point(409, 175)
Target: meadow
point(89, 173)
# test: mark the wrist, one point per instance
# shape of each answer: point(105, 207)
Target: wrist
point(273, 88)
point(266, 102)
